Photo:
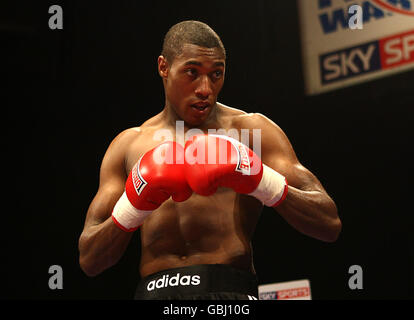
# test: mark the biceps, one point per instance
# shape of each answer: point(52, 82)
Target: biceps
point(298, 176)
point(278, 154)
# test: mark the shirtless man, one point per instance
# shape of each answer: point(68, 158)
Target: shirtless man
point(196, 220)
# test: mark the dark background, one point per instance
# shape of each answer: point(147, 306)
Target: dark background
point(69, 92)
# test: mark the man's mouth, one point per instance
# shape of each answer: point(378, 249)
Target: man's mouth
point(201, 106)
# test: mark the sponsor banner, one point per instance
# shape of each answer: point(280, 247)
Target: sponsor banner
point(343, 46)
point(290, 290)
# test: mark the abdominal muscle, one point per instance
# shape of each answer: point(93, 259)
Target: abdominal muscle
point(201, 230)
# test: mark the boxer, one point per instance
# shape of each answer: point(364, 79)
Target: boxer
point(196, 216)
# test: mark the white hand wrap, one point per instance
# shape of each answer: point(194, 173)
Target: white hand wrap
point(126, 216)
point(272, 189)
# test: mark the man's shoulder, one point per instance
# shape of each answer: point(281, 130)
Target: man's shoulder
point(136, 132)
point(129, 133)
point(248, 120)
point(257, 123)
point(124, 139)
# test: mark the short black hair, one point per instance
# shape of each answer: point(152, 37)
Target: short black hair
point(190, 32)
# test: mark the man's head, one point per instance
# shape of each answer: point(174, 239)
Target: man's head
point(192, 66)
point(189, 32)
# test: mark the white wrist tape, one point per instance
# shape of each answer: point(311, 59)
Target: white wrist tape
point(126, 216)
point(272, 189)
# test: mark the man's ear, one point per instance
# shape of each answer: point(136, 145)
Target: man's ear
point(163, 67)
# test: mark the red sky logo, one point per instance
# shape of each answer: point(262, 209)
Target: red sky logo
point(385, 53)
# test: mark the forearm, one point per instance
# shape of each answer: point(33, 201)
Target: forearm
point(101, 246)
point(311, 212)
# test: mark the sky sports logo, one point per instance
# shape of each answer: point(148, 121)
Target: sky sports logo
point(333, 18)
point(386, 53)
point(294, 293)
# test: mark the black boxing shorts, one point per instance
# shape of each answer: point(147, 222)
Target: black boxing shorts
point(199, 282)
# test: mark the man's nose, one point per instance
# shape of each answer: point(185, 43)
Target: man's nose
point(204, 88)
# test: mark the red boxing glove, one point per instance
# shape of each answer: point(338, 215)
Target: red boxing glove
point(158, 175)
point(214, 161)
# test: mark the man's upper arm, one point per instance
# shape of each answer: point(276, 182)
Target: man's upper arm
point(277, 153)
point(112, 179)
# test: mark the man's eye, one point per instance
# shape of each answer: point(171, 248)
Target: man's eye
point(218, 74)
point(191, 72)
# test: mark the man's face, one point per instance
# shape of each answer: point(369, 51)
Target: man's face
point(193, 82)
